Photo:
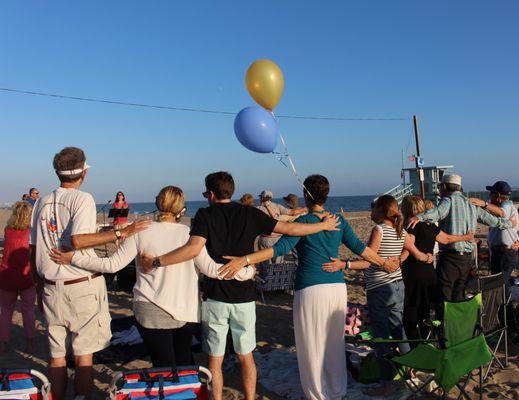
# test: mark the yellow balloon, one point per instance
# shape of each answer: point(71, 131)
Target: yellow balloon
point(265, 83)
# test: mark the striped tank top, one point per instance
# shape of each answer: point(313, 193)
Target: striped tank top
point(390, 246)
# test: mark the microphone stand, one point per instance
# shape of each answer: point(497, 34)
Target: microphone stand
point(104, 222)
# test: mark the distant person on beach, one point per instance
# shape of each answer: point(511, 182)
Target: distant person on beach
point(385, 290)
point(420, 277)
point(247, 200)
point(456, 216)
point(34, 195)
point(166, 302)
point(25, 197)
point(15, 277)
point(320, 298)
point(74, 301)
point(227, 228)
point(503, 254)
point(292, 203)
point(275, 211)
point(120, 204)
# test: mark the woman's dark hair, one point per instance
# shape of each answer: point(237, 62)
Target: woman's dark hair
point(221, 184)
point(386, 207)
point(69, 158)
point(117, 195)
point(316, 189)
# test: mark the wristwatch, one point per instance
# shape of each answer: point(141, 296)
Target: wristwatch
point(248, 260)
point(117, 233)
point(485, 206)
point(156, 262)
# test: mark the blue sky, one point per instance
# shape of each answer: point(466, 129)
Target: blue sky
point(454, 64)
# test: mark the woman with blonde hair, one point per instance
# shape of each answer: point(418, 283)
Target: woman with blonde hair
point(168, 299)
point(247, 200)
point(15, 278)
point(420, 277)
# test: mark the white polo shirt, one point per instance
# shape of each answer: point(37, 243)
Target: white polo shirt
point(56, 218)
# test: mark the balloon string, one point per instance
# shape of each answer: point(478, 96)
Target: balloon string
point(292, 167)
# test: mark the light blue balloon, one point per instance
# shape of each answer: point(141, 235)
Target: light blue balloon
point(256, 129)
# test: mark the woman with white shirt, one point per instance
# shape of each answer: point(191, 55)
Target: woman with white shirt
point(165, 300)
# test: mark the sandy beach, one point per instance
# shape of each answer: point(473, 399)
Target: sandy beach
point(274, 333)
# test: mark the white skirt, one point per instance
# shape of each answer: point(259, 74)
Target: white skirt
point(319, 318)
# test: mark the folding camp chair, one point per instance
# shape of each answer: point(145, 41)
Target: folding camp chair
point(276, 276)
point(493, 317)
point(182, 383)
point(460, 349)
point(24, 384)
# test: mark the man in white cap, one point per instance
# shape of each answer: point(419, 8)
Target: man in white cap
point(456, 216)
point(275, 211)
point(74, 301)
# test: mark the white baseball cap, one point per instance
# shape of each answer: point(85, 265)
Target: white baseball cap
point(266, 193)
point(454, 179)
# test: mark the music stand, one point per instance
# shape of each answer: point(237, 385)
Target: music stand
point(118, 212)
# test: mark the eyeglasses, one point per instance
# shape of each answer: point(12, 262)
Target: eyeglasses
point(206, 194)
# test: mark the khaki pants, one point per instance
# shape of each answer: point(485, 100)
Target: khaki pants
point(78, 312)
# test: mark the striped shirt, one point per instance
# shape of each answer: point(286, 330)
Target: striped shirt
point(390, 246)
point(457, 216)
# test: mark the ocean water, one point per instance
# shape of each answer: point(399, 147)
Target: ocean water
point(334, 204)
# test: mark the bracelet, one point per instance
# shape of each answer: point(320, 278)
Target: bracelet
point(348, 264)
point(248, 260)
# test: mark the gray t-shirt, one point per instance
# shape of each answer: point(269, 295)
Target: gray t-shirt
point(152, 316)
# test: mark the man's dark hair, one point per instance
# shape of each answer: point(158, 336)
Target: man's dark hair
point(68, 159)
point(452, 187)
point(221, 184)
point(317, 188)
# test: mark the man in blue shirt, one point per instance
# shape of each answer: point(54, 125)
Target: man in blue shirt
point(456, 215)
point(502, 242)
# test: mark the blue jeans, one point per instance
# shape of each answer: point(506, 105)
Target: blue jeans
point(386, 310)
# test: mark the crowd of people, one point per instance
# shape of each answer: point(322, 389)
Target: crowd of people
point(49, 256)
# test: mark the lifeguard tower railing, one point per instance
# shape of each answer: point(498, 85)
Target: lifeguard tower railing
point(398, 192)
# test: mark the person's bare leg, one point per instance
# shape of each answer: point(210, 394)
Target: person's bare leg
point(215, 366)
point(248, 375)
point(58, 377)
point(83, 381)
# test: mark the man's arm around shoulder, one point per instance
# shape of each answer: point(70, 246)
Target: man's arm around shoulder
point(329, 223)
point(187, 252)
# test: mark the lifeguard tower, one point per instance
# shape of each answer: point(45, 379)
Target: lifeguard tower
point(432, 176)
point(410, 185)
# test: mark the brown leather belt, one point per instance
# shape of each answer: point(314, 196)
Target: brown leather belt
point(78, 280)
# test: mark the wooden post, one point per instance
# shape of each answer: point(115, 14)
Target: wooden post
point(418, 168)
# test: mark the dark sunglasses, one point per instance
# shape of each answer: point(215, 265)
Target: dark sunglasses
point(206, 194)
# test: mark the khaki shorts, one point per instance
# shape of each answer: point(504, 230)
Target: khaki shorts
point(79, 310)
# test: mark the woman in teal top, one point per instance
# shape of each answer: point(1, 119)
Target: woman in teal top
point(320, 299)
point(315, 250)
